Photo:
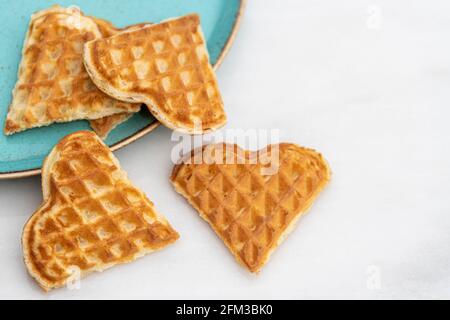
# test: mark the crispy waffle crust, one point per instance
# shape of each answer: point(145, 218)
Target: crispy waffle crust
point(166, 66)
point(105, 125)
point(53, 85)
point(251, 199)
point(92, 216)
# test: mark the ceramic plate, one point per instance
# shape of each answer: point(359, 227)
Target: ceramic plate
point(22, 154)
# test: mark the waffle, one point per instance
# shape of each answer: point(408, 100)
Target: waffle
point(53, 85)
point(105, 125)
point(92, 216)
point(165, 66)
point(251, 204)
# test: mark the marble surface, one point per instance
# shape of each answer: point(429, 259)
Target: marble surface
point(366, 83)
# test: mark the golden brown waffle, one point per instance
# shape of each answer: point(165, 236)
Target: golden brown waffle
point(250, 202)
point(53, 85)
point(166, 66)
point(105, 125)
point(92, 217)
point(106, 28)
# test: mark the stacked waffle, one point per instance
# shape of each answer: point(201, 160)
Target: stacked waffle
point(165, 66)
point(92, 217)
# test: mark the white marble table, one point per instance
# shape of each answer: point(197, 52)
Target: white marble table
point(365, 82)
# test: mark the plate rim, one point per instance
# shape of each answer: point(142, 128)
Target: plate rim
point(154, 124)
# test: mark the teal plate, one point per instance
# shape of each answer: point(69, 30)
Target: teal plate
point(22, 154)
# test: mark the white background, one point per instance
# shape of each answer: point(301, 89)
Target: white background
point(367, 83)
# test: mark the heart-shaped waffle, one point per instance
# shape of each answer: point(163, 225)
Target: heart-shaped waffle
point(251, 199)
point(92, 216)
point(165, 66)
point(53, 85)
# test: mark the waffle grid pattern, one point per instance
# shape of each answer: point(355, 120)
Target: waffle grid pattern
point(53, 85)
point(96, 217)
point(168, 63)
point(105, 125)
point(251, 211)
